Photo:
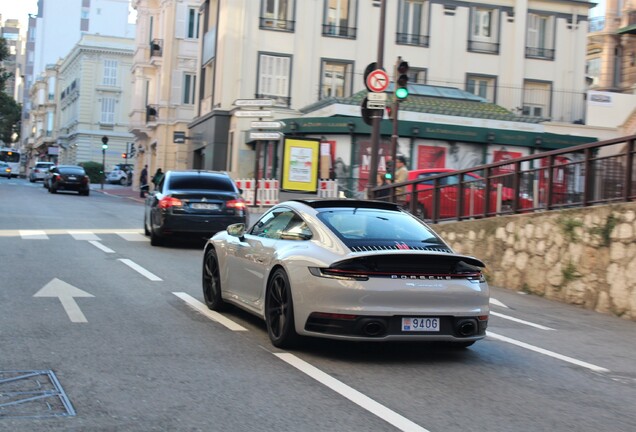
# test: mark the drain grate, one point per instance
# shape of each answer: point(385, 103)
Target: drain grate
point(35, 393)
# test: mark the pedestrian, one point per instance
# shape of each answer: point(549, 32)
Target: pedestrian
point(143, 182)
point(401, 175)
point(383, 180)
point(156, 179)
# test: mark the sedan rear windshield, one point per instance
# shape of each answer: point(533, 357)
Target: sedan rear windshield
point(72, 171)
point(199, 182)
point(351, 224)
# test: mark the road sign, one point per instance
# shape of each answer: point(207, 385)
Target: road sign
point(268, 124)
point(265, 135)
point(376, 96)
point(178, 137)
point(378, 81)
point(254, 102)
point(253, 113)
point(376, 104)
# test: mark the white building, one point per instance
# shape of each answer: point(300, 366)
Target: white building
point(527, 56)
point(93, 100)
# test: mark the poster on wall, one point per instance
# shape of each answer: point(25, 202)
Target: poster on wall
point(504, 155)
point(431, 157)
point(300, 165)
point(364, 161)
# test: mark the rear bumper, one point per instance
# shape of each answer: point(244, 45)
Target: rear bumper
point(207, 225)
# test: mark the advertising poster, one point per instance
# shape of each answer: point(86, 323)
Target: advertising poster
point(300, 165)
point(503, 155)
point(431, 157)
point(364, 161)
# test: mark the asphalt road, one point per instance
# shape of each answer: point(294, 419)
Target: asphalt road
point(99, 331)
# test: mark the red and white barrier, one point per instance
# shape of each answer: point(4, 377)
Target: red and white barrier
point(267, 194)
point(327, 189)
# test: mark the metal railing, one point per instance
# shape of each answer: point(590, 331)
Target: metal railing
point(598, 173)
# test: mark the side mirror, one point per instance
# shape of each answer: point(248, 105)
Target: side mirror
point(237, 230)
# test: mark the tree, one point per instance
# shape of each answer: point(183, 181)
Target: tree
point(10, 110)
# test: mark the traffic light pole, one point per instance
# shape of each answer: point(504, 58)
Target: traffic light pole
point(375, 128)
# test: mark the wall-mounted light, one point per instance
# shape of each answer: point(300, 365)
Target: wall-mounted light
point(351, 126)
point(490, 137)
point(293, 126)
point(415, 131)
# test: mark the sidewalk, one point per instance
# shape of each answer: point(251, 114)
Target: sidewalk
point(128, 193)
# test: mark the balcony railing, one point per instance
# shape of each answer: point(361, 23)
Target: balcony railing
point(412, 39)
point(276, 24)
point(483, 47)
point(540, 53)
point(339, 31)
point(156, 48)
point(590, 174)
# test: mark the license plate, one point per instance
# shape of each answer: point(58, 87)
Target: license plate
point(420, 324)
point(72, 178)
point(204, 206)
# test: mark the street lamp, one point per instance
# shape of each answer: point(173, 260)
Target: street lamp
point(104, 147)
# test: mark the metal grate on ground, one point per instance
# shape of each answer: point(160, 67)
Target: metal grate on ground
point(33, 394)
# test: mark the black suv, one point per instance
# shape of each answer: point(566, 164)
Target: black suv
point(195, 204)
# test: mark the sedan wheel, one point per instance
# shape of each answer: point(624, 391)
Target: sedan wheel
point(279, 311)
point(212, 282)
point(123, 181)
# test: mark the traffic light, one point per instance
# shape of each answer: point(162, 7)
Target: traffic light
point(124, 155)
point(104, 143)
point(401, 81)
point(389, 112)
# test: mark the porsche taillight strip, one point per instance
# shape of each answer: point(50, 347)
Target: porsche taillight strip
point(365, 275)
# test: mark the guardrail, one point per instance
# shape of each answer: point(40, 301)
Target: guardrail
point(589, 174)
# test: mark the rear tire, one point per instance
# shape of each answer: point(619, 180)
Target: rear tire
point(155, 239)
point(279, 311)
point(211, 279)
point(123, 181)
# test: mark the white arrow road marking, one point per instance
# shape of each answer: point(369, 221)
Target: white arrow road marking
point(496, 302)
point(386, 414)
point(528, 323)
point(139, 269)
point(547, 352)
point(203, 309)
point(65, 292)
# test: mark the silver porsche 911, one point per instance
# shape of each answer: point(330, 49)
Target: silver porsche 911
point(347, 269)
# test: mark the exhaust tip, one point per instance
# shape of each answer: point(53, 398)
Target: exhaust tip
point(466, 327)
point(374, 328)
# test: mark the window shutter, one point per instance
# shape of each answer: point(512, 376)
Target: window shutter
point(180, 21)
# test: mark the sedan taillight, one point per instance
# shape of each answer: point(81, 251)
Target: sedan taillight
point(85, 180)
point(167, 202)
point(238, 204)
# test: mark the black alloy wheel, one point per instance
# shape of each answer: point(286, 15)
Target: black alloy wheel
point(279, 311)
point(212, 282)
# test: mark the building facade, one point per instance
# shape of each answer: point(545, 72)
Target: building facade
point(41, 140)
point(93, 100)
point(164, 82)
point(525, 56)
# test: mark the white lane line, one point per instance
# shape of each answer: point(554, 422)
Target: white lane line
point(528, 323)
point(140, 269)
point(132, 236)
point(33, 235)
point(84, 235)
point(547, 352)
point(98, 245)
point(203, 309)
point(496, 302)
point(386, 414)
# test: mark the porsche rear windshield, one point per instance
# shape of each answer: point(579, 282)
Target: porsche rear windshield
point(374, 224)
point(201, 182)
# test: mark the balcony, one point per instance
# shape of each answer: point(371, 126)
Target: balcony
point(412, 39)
point(276, 24)
point(539, 53)
point(483, 47)
point(333, 30)
point(151, 114)
point(156, 48)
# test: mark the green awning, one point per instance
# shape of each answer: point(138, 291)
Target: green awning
point(630, 29)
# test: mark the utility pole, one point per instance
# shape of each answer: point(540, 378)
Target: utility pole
point(375, 128)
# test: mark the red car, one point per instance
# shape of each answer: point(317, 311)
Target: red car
point(473, 188)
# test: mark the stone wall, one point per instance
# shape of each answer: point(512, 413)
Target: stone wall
point(584, 256)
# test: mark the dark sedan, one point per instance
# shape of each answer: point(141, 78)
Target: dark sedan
point(68, 178)
point(193, 204)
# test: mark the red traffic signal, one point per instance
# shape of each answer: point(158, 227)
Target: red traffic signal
point(124, 155)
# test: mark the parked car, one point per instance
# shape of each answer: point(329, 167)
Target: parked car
point(39, 170)
point(473, 190)
point(347, 269)
point(5, 169)
point(192, 203)
point(122, 174)
point(68, 178)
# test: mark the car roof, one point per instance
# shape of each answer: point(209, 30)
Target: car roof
point(347, 203)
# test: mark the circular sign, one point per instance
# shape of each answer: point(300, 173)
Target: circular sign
point(378, 81)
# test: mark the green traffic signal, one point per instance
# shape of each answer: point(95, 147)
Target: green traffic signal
point(401, 93)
